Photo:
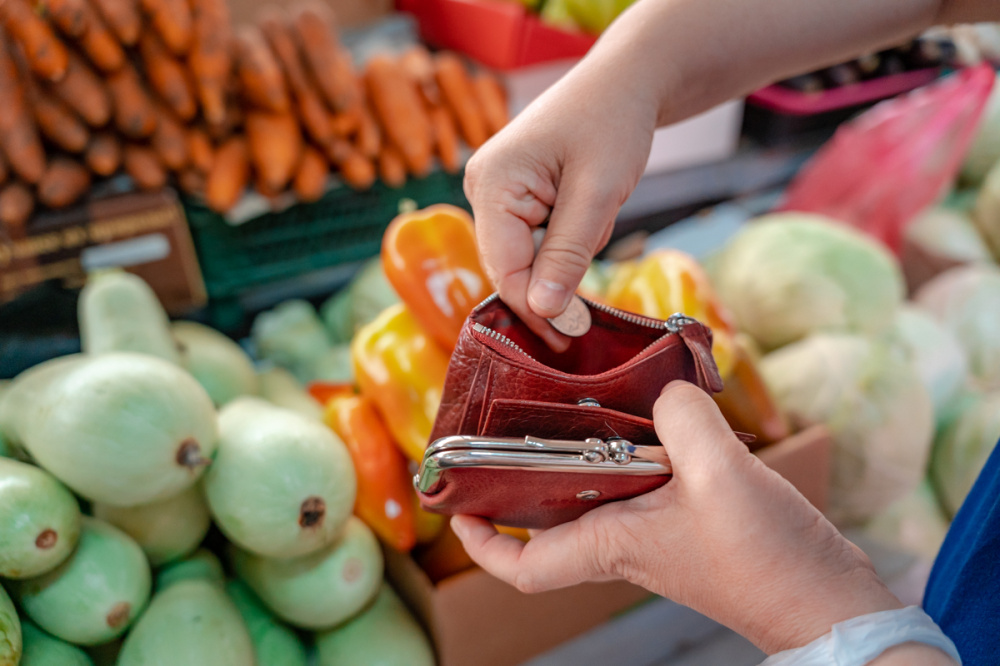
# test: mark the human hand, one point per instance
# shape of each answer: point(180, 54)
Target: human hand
point(726, 536)
point(572, 158)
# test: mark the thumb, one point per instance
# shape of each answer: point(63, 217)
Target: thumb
point(581, 223)
point(696, 436)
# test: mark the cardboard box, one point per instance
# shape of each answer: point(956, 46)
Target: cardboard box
point(349, 13)
point(474, 618)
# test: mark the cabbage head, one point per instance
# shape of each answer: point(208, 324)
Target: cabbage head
point(879, 414)
point(788, 275)
point(966, 300)
point(950, 233)
point(935, 353)
point(985, 149)
point(916, 523)
point(963, 445)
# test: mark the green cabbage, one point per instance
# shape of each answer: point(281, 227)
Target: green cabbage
point(985, 150)
point(788, 275)
point(935, 352)
point(963, 445)
point(966, 300)
point(986, 214)
point(915, 523)
point(878, 412)
point(949, 233)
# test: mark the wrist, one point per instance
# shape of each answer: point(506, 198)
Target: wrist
point(809, 612)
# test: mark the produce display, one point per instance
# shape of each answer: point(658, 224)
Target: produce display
point(171, 92)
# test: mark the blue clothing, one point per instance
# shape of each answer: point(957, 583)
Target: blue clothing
point(963, 593)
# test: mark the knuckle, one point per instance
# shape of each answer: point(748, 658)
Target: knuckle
point(567, 254)
point(525, 583)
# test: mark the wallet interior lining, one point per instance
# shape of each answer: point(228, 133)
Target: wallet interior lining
point(610, 342)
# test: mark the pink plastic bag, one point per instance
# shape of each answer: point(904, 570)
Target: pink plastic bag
point(883, 168)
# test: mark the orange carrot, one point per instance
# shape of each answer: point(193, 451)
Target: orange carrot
point(17, 203)
point(172, 20)
point(192, 181)
point(310, 180)
point(200, 149)
point(492, 101)
point(345, 124)
point(47, 55)
point(309, 107)
point(401, 112)
point(418, 63)
point(445, 139)
point(144, 167)
point(122, 17)
point(69, 16)
point(18, 134)
point(261, 79)
point(64, 183)
point(391, 168)
point(167, 76)
point(229, 175)
point(82, 91)
point(100, 44)
point(170, 140)
point(135, 116)
point(211, 56)
point(459, 96)
point(104, 154)
point(328, 63)
point(357, 170)
point(369, 137)
point(57, 123)
point(276, 145)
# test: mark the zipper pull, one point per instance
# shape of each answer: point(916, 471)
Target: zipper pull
point(698, 339)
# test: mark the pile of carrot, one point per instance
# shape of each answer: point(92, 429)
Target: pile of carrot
point(170, 93)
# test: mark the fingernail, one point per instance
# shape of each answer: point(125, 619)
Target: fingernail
point(548, 296)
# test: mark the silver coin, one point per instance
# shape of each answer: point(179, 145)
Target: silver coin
point(575, 321)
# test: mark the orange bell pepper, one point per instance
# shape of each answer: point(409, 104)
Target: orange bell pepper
point(667, 282)
point(384, 495)
point(430, 258)
point(402, 371)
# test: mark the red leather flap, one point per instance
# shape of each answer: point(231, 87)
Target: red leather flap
point(517, 418)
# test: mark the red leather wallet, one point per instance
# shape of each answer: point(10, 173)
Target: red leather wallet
point(528, 437)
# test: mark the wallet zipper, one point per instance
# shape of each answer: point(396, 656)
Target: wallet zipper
point(673, 325)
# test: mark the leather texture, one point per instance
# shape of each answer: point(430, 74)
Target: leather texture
point(531, 499)
point(504, 381)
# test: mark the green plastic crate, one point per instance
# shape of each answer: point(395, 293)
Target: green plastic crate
point(344, 226)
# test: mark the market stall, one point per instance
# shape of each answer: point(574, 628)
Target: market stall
point(236, 258)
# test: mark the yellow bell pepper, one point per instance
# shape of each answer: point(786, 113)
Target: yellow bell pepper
point(669, 281)
point(402, 370)
point(431, 260)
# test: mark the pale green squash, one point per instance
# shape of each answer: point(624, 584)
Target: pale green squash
point(281, 485)
point(41, 649)
point(94, 595)
point(39, 520)
point(320, 590)
point(191, 623)
point(219, 364)
point(10, 632)
point(200, 565)
point(119, 312)
point(274, 643)
point(119, 428)
point(166, 530)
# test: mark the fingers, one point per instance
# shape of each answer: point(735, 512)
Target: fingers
point(693, 430)
point(554, 558)
point(507, 206)
point(581, 222)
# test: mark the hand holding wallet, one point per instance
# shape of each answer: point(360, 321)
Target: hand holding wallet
point(528, 437)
